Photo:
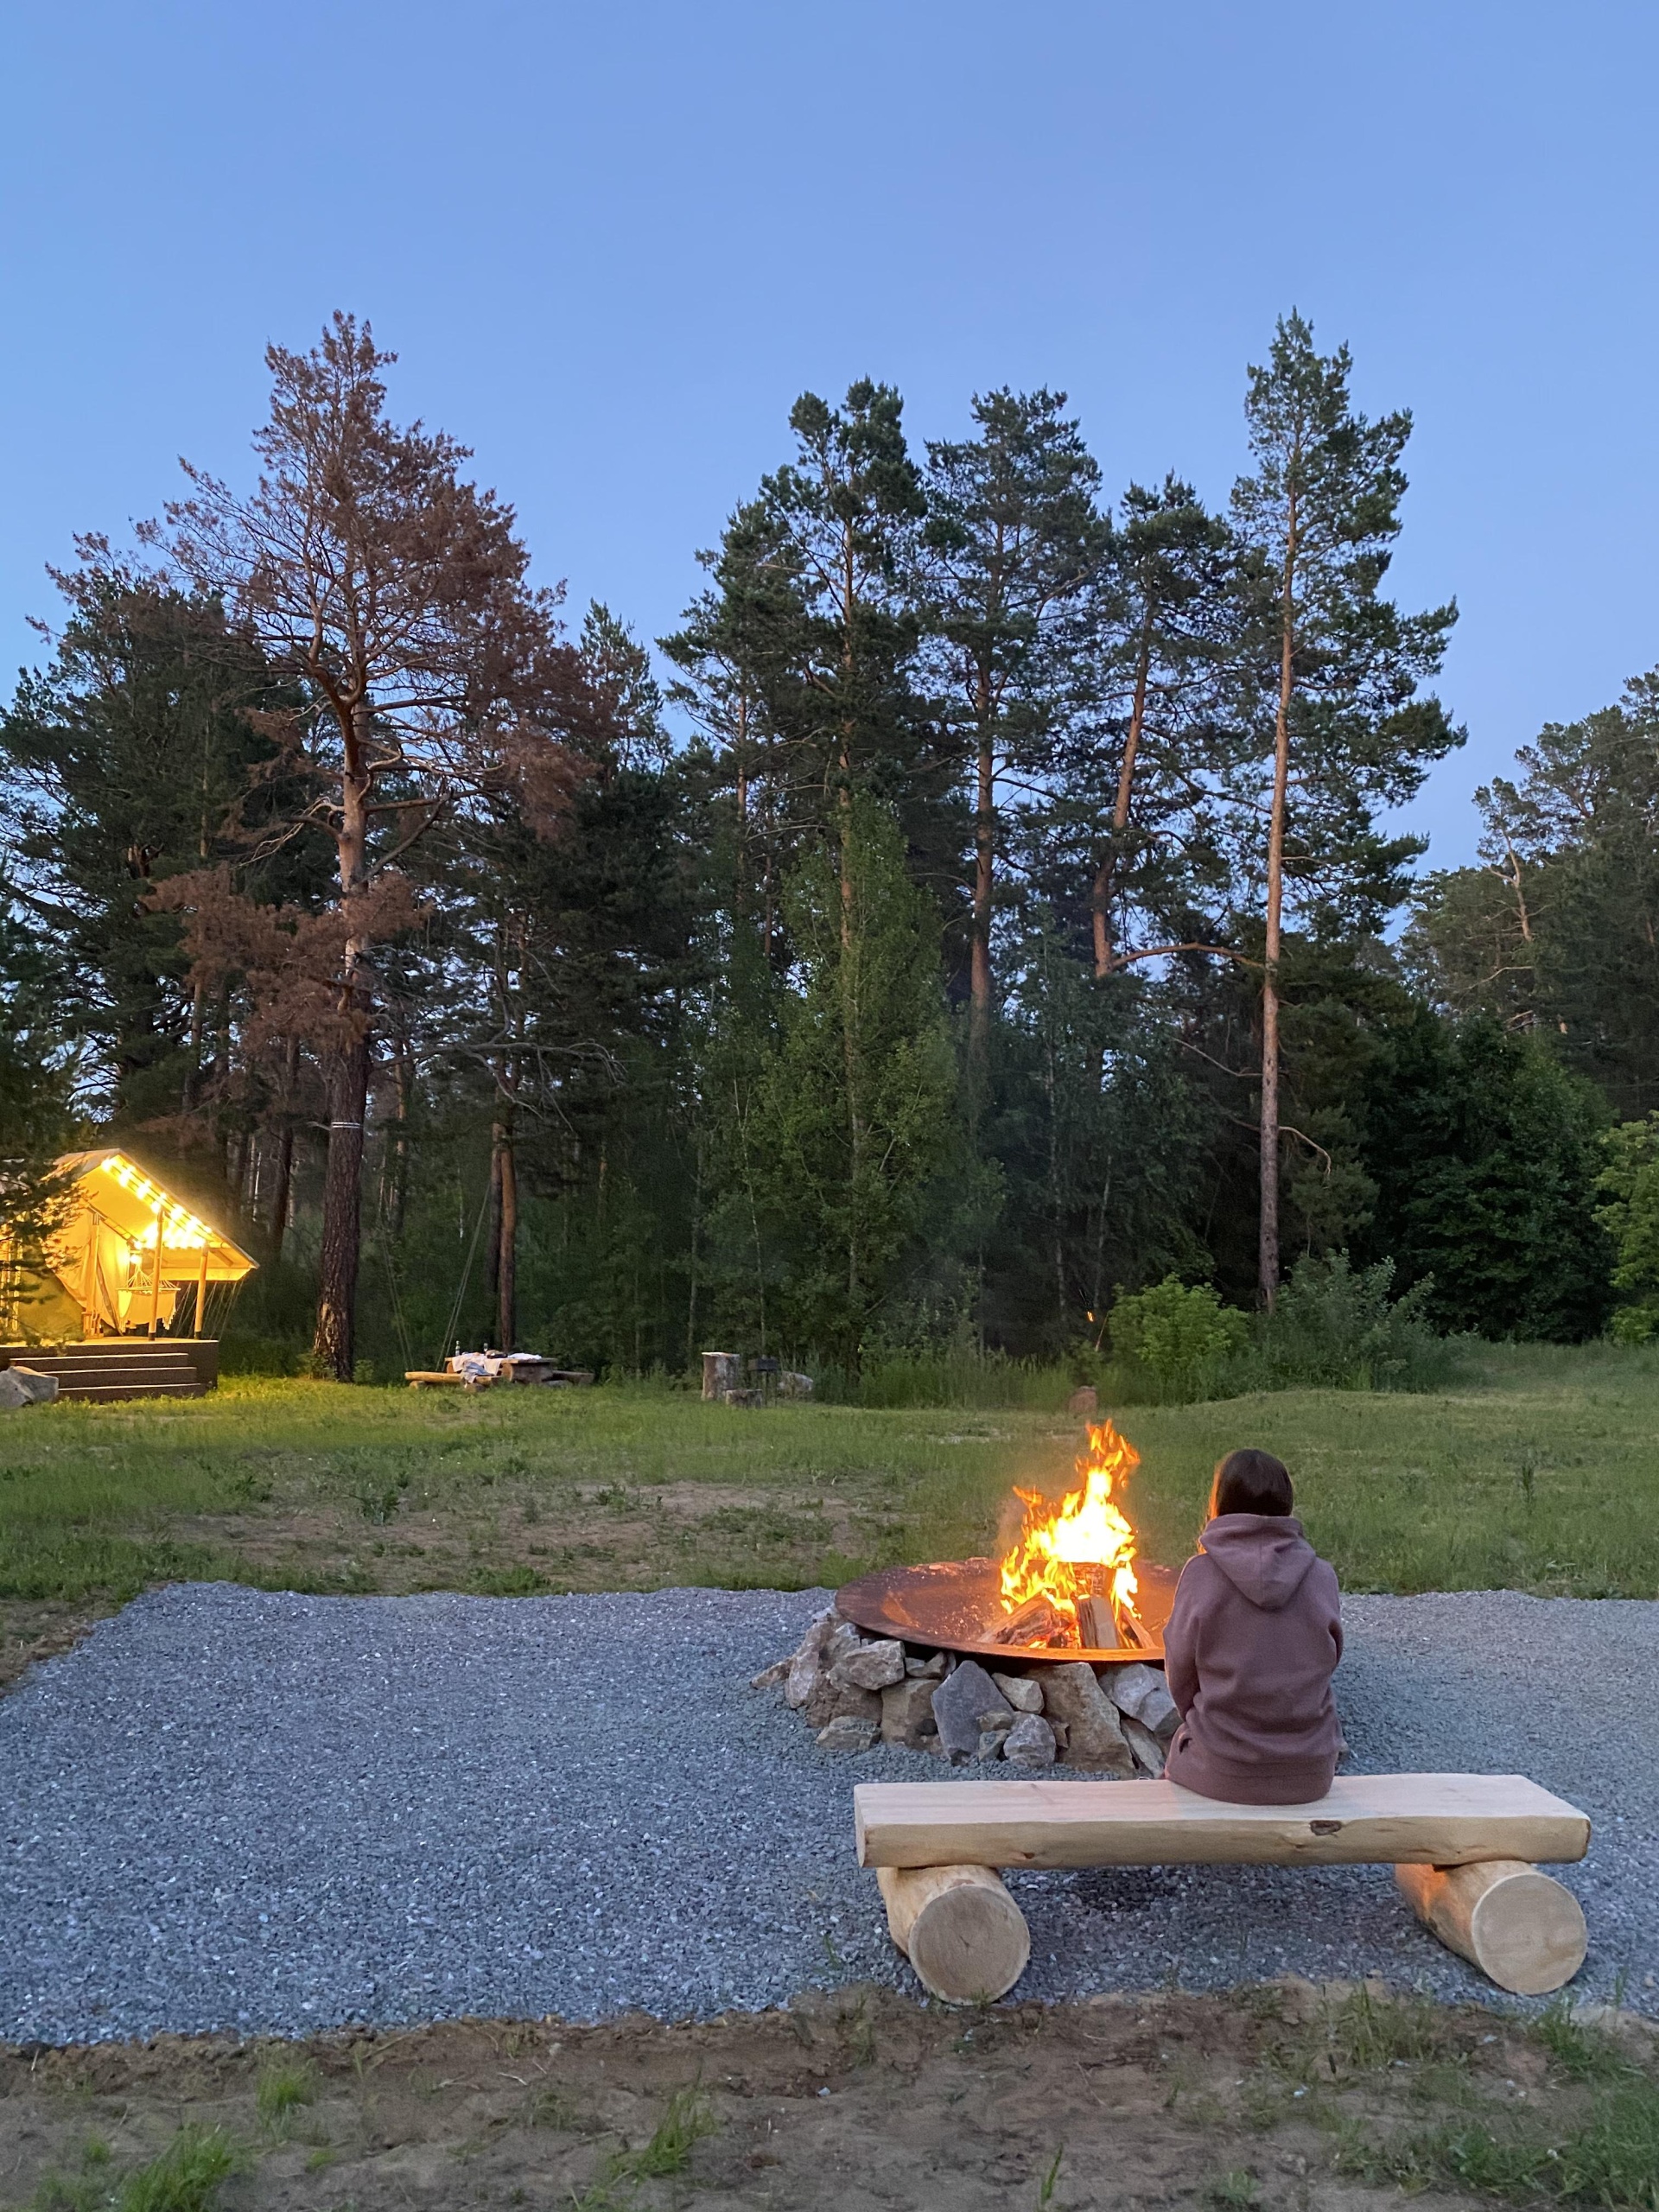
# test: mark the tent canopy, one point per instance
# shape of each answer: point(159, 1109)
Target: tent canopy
point(130, 1246)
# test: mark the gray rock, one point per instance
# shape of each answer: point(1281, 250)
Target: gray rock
point(847, 1734)
point(929, 1670)
point(907, 1717)
point(1147, 1749)
point(1143, 1693)
point(21, 1386)
point(1030, 1742)
point(769, 1677)
point(1024, 1694)
point(991, 1741)
point(809, 1654)
point(872, 1666)
point(833, 1701)
point(962, 1704)
point(1093, 1737)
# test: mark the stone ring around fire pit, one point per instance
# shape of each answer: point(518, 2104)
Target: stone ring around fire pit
point(897, 1657)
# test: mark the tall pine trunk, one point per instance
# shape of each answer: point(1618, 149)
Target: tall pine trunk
point(1101, 901)
point(336, 1339)
point(1268, 1242)
point(979, 979)
point(849, 1008)
point(506, 1277)
point(335, 1346)
point(282, 1182)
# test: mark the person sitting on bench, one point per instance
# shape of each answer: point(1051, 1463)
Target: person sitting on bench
point(1250, 1646)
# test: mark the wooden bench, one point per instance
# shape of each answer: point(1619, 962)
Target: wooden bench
point(1462, 1847)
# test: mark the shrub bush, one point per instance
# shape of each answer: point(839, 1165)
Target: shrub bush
point(1176, 1337)
point(1335, 1326)
point(1630, 1182)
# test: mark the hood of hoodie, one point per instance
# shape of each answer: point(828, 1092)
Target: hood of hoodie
point(1264, 1555)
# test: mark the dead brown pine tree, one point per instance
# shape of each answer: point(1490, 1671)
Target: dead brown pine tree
point(395, 594)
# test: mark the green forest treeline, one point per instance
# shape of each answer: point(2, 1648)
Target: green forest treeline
point(890, 984)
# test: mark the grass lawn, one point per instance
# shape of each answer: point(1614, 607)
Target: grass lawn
point(1540, 1471)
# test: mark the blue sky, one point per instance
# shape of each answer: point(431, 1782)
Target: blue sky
point(611, 243)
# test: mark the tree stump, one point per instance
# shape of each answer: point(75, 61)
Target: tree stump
point(959, 1928)
point(1521, 1928)
point(722, 1371)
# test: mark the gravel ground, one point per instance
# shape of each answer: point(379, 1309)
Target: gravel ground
point(231, 1809)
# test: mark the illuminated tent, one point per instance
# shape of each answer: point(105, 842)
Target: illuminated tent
point(106, 1256)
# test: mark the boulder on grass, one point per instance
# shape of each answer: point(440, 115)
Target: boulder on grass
point(1093, 1738)
point(24, 1386)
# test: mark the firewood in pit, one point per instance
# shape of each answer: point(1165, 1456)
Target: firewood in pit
point(1096, 1623)
point(1035, 1621)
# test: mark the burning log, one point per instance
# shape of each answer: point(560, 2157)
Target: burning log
point(1096, 1624)
point(959, 1928)
point(1078, 1555)
point(1038, 1621)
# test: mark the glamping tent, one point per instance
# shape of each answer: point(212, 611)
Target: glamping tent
point(127, 1252)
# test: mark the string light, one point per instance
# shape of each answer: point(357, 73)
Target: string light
point(176, 1228)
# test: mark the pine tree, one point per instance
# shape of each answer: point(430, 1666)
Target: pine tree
point(1166, 627)
point(1558, 930)
point(1340, 666)
point(393, 594)
point(1011, 549)
point(853, 1112)
point(136, 756)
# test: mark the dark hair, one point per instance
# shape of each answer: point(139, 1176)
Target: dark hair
point(1251, 1482)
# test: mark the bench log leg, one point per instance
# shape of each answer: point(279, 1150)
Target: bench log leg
point(1521, 1928)
point(959, 1928)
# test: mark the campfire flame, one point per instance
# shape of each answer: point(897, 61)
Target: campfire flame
point(1083, 1549)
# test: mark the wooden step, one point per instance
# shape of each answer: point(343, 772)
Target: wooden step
point(110, 1368)
point(123, 1361)
point(105, 1391)
point(1427, 1820)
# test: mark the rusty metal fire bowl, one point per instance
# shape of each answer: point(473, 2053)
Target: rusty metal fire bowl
point(956, 1605)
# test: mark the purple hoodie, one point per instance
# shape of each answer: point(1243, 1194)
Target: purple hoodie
point(1251, 1644)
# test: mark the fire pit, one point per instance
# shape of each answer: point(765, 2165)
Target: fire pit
point(1070, 1619)
point(954, 1607)
point(1072, 1587)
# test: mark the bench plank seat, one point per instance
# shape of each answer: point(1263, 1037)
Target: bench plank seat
point(1424, 1819)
